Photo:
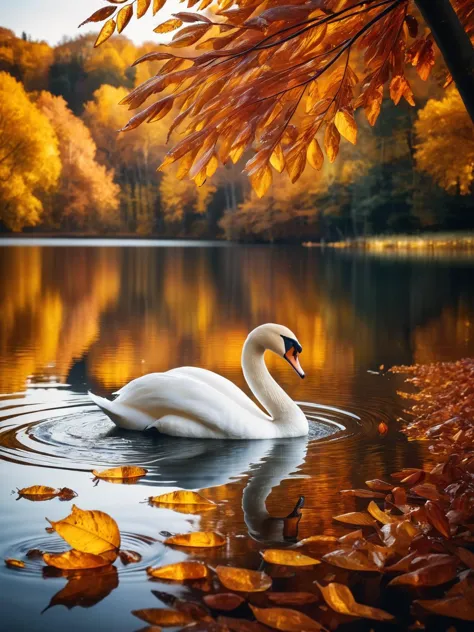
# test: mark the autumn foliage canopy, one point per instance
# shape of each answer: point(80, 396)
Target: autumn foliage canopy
point(283, 79)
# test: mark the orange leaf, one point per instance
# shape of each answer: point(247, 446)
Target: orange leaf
point(242, 579)
point(380, 515)
point(261, 180)
point(124, 16)
point(340, 599)
point(346, 125)
point(223, 601)
point(286, 619)
point(129, 557)
point(315, 155)
point(163, 617)
point(72, 560)
point(38, 492)
point(437, 518)
point(332, 139)
point(458, 607)
point(12, 563)
point(157, 5)
point(201, 539)
point(181, 497)
point(106, 31)
point(124, 471)
point(287, 558)
point(168, 26)
point(360, 518)
point(350, 559)
point(142, 7)
point(379, 485)
point(181, 571)
point(431, 575)
point(362, 493)
point(292, 598)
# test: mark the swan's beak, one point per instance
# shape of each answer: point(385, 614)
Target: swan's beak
point(291, 356)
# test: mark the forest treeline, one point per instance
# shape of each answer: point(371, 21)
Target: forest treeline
point(65, 168)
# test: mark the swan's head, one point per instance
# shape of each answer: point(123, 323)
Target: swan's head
point(281, 341)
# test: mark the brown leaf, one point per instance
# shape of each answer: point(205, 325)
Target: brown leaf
point(242, 579)
point(437, 518)
point(123, 472)
point(241, 625)
point(362, 493)
point(201, 539)
point(65, 493)
point(379, 485)
point(193, 609)
point(458, 607)
point(340, 599)
point(378, 514)
point(99, 15)
point(181, 497)
point(346, 125)
point(163, 617)
point(168, 26)
point(124, 16)
point(12, 563)
point(399, 535)
point(382, 428)
point(360, 518)
point(287, 558)
point(351, 559)
point(179, 572)
point(431, 575)
point(185, 16)
point(286, 619)
point(129, 557)
point(71, 560)
point(106, 31)
point(223, 601)
point(466, 557)
point(292, 598)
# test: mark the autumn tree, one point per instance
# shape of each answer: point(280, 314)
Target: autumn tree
point(266, 65)
point(27, 61)
point(87, 196)
point(30, 162)
point(445, 143)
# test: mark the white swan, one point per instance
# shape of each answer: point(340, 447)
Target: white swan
point(193, 402)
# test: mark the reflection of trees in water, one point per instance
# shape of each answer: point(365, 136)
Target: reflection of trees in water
point(137, 310)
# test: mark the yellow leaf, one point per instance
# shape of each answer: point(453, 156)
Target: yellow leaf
point(380, 515)
point(70, 560)
point(142, 7)
point(99, 15)
point(38, 492)
point(277, 159)
point(179, 572)
point(353, 560)
point(125, 471)
point(162, 616)
point(129, 557)
point(346, 125)
point(261, 180)
point(360, 518)
point(315, 155)
point(168, 26)
point(157, 5)
point(89, 531)
point(340, 599)
point(124, 16)
point(12, 563)
point(318, 539)
point(243, 580)
point(202, 539)
point(287, 558)
point(286, 619)
point(105, 32)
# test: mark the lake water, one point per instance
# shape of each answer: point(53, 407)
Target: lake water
point(78, 315)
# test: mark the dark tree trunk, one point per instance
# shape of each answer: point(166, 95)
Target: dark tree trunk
point(454, 44)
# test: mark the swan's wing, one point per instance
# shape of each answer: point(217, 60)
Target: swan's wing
point(221, 384)
point(173, 400)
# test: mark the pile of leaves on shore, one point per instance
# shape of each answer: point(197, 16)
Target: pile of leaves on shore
point(407, 558)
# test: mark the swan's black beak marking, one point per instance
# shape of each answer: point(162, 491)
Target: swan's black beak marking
point(292, 348)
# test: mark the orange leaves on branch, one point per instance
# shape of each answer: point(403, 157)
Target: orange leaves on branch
point(359, 518)
point(71, 560)
point(332, 138)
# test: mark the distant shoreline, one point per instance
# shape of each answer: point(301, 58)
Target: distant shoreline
point(404, 243)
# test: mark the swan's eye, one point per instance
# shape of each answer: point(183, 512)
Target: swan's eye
point(291, 343)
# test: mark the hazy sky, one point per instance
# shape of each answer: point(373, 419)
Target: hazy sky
point(50, 20)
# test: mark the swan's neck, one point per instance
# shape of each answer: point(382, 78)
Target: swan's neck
point(272, 397)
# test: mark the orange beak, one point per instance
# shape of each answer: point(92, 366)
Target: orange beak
point(291, 356)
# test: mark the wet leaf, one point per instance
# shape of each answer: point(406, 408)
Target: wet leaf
point(360, 518)
point(99, 15)
point(106, 31)
point(86, 589)
point(437, 518)
point(123, 472)
point(285, 619)
point(34, 554)
point(12, 563)
point(287, 558)
point(292, 598)
point(382, 428)
point(350, 559)
point(431, 575)
point(162, 616)
point(362, 493)
point(89, 531)
point(182, 497)
point(181, 571)
point(242, 579)
point(129, 557)
point(466, 557)
point(318, 539)
point(380, 515)
point(38, 492)
point(200, 539)
point(223, 601)
point(71, 560)
point(458, 607)
point(379, 485)
point(65, 493)
point(340, 599)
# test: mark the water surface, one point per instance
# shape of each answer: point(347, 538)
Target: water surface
point(79, 315)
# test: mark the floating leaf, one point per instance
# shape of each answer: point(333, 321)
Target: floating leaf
point(89, 531)
point(34, 554)
point(129, 557)
point(162, 616)
point(123, 472)
point(332, 139)
point(380, 515)
point(318, 539)
point(292, 598)
point(66, 493)
point(12, 563)
point(179, 572)
point(287, 558)
point(106, 31)
point(285, 619)
point(351, 559)
point(362, 493)
point(180, 498)
point(458, 607)
point(382, 428)
point(38, 492)
point(340, 599)
point(223, 601)
point(381, 486)
point(71, 560)
point(201, 539)
point(360, 518)
point(431, 575)
point(242, 579)
point(99, 15)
